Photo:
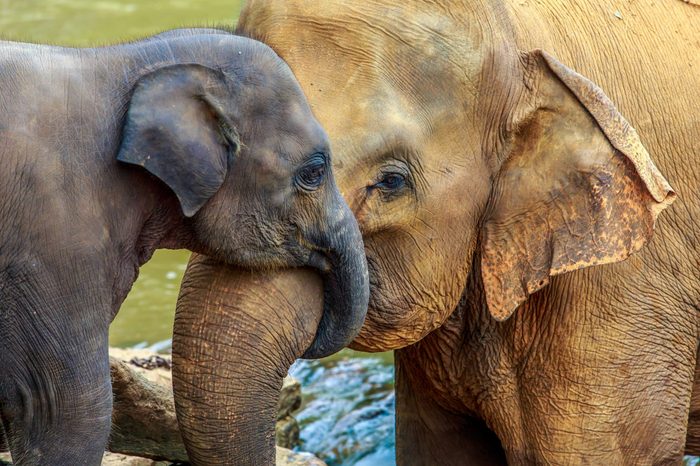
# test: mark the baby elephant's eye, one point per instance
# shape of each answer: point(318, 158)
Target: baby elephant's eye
point(311, 175)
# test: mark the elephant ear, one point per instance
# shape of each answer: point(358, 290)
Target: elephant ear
point(577, 188)
point(175, 128)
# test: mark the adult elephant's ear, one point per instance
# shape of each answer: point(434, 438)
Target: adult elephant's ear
point(176, 129)
point(577, 188)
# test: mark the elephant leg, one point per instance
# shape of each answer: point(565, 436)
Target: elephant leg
point(692, 439)
point(427, 434)
point(55, 391)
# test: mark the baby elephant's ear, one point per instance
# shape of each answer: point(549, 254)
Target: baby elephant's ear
point(577, 189)
point(176, 130)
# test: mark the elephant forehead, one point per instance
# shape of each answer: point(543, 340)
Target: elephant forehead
point(412, 45)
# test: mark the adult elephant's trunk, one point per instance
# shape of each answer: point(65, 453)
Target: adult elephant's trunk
point(236, 334)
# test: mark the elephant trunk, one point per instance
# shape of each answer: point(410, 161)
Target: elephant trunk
point(236, 334)
point(345, 284)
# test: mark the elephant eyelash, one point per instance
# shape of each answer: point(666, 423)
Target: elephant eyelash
point(389, 186)
point(401, 160)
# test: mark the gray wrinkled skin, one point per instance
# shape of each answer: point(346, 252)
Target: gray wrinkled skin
point(194, 139)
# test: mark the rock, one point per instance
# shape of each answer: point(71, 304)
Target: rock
point(287, 428)
point(287, 432)
point(290, 398)
point(286, 457)
point(3, 441)
point(115, 459)
point(109, 459)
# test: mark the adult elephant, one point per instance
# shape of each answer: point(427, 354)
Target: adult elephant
point(481, 169)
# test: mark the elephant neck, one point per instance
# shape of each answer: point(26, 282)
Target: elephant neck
point(469, 342)
point(162, 226)
point(467, 369)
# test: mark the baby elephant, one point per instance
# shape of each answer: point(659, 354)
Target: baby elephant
point(201, 141)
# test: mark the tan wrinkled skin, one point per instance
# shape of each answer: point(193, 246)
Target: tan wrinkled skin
point(520, 170)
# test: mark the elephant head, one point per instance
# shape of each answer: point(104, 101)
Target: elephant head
point(248, 171)
point(250, 166)
point(460, 154)
point(463, 158)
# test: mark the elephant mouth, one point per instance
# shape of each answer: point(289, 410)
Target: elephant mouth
point(317, 257)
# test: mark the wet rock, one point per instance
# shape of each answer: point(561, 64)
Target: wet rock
point(3, 441)
point(290, 398)
point(347, 417)
point(286, 457)
point(287, 428)
point(287, 432)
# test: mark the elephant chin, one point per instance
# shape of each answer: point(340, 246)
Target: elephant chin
point(236, 334)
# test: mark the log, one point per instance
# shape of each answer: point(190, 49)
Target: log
point(143, 417)
point(144, 424)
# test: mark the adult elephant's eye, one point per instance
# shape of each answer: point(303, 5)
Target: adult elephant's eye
point(392, 182)
point(311, 175)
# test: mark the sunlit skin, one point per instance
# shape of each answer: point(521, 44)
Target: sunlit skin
point(482, 170)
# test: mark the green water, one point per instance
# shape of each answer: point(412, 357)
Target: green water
point(146, 317)
point(97, 22)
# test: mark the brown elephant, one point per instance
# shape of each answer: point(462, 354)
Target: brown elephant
point(481, 168)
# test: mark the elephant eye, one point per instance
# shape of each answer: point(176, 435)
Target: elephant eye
point(311, 175)
point(392, 182)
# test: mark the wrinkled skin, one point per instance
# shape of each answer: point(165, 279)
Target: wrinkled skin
point(480, 171)
point(228, 388)
point(202, 141)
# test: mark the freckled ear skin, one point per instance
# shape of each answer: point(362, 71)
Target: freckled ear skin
point(577, 188)
point(174, 129)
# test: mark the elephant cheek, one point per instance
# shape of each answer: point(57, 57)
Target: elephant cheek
point(385, 334)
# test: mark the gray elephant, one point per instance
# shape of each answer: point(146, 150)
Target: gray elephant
point(200, 141)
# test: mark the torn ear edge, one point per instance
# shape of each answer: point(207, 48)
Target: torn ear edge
point(515, 260)
point(621, 135)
